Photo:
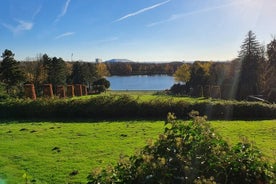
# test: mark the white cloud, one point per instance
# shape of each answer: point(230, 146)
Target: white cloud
point(64, 35)
point(21, 26)
point(64, 10)
point(141, 11)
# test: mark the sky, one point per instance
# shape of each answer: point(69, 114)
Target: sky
point(138, 30)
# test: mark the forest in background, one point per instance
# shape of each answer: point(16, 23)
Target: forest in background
point(253, 72)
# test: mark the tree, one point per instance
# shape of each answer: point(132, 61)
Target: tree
point(200, 74)
point(249, 56)
point(83, 73)
point(271, 72)
point(90, 74)
point(101, 85)
point(56, 69)
point(35, 72)
point(219, 73)
point(183, 73)
point(10, 73)
point(271, 52)
point(102, 82)
point(77, 75)
point(102, 70)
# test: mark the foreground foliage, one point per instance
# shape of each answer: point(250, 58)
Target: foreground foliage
point(189, 153)
point(51, 152)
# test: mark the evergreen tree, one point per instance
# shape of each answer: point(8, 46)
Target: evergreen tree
point(271, 76)
point(249, 55)
point(56, 69)
point(77, 75)
point(92, 74)
point(10, 73)
point(271, 52)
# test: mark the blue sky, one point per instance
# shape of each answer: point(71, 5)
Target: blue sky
point(139, 30)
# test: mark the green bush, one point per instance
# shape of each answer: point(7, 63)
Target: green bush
point(99, 88)
point(189, 153)
point(125, 106)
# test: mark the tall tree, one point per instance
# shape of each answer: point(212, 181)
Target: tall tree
point(77, 75)
point(10, 73)
point(102, 70)
point(218, 73)
point(249, 56)
point(200, 74)
point(183, 73)
point(91, 75)
point(35, 72)
point(271, 76)
point(271, 52)
point(56, 69)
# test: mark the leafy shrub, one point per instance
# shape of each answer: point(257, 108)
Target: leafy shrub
point(179, 89)
point(125, 106)
point(189, 152)
point(103, 82)
point(99, 88)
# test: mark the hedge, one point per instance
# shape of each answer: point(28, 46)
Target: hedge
point(127, 107)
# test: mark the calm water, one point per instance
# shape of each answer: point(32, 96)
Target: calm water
point(141, 82)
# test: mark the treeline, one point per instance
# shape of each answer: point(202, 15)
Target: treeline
point(252, 73)
point(53, 70)
point(135, 68)
point(46, 70)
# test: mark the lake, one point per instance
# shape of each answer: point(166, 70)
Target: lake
point(141, 82)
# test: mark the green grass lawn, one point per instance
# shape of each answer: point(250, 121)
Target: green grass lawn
point(143, 96)
point(260, 133)
point(49, 151)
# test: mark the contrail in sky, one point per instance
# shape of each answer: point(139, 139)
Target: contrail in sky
point(141, 11)
point(181, 15)
point(64, 10)
point(64, 35)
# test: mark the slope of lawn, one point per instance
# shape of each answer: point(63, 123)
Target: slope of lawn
point(259, 133)
point(59, 152)
point(50, 152)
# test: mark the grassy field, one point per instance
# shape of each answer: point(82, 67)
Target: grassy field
point(50, 152)
point(143, 96)
point(260, 133)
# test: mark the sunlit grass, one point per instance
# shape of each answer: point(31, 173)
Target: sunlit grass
point(145, 96)
point(49, 151)
point(260, 133)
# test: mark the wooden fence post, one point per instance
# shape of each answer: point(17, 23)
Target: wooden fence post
point(48, 90)
point(61, 92)
point(84, 90)
point(70, 91)
point(78, 89)
point(29, 91)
